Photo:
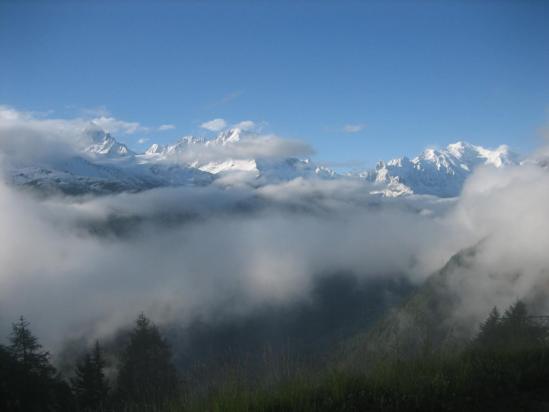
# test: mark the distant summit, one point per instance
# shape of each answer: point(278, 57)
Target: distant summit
point(435, 172)
point(103, 144)
point(105, 165)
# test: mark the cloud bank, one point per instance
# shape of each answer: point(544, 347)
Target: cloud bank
point(67, 270)
point(87, 265)
point(26, 139)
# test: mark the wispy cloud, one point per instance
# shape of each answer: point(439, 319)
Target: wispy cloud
point(218, 124)
point(245, 125)
point(226, 99)
point(97, 111)
point(143, 140)
point(353, 127)
point(113, 125)
point(214, 125)
point(164, 127)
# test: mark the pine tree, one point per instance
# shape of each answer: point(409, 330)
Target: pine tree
point(102, 386)
point(489, 334)
point(25, 349)
point(519, 330)
point(89, 385)
point(516, 314)
point(8, 380)
point(33, 383)
point(147, 374)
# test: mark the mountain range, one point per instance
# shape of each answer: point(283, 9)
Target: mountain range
point(105, 165)
point(435, 172)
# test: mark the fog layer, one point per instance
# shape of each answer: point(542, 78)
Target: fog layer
point(87, 265)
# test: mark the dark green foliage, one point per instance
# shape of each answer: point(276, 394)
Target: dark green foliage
point(25, 349)
point(275, 341)
point(472, 381)
point(89, 384)
point(448, 383)
point(28, 382)
point(146, 374)
point(505, 368)
point(514, 331)
point(488, 334)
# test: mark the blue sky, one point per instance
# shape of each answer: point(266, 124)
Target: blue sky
point(400, 75)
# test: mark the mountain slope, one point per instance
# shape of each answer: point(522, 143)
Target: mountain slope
point(435, 172)
point(424, 322)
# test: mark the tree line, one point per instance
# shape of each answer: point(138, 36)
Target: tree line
point(505, 366)
point(29, 382)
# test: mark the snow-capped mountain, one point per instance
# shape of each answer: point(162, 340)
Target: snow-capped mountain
point(236, 157)
point(435, 172)
point(225, 157)
point(104, 165)
point(103, 144)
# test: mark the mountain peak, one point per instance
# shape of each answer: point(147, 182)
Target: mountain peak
point(229, 136)
point(437, 172)
point(154, 149)
point(457, 149)
point(103, 144)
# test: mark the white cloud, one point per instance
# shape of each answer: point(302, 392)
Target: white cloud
point(217, 125)
point(95, 112)
point(245, 125)
point(214, 125)
point(48, 139)
point(112, 125)
point(165, 127)
point(247, 269)
point(316, 226)
point(353, 128)
point(244, 145)
point(9, 114)
point(26, 137)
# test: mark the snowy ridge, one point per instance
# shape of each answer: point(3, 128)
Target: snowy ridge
point(104, 166)
point(195, 152)
point(103, 144)
point(435, 172)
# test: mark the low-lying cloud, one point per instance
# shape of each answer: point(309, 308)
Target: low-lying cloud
point(236, 249)
point(87, 265)
point(26, 139)
point(506, 209)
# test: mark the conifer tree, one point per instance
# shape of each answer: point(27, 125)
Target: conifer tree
point(33, 383)
point(146, 374)
point(489, 334)
point(514, 330)
point(519, 330)
point(90, 385)
point(25, 349)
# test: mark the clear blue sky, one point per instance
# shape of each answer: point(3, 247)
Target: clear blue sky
point(414, 73)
